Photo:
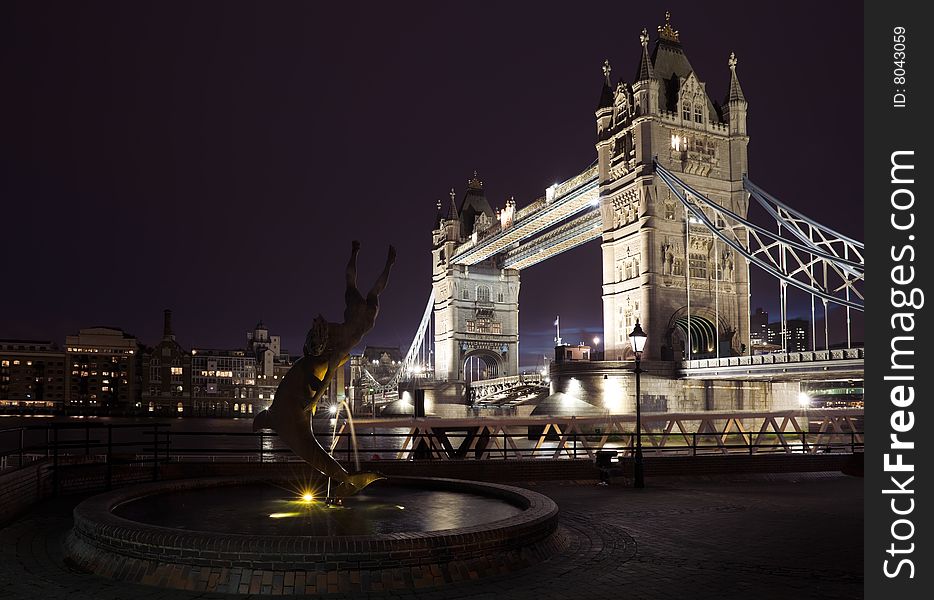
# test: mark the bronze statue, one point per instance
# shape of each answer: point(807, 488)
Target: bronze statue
point(327, 348)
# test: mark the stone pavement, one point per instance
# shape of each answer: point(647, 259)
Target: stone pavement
point(789, 536)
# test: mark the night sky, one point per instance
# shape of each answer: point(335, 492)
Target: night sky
point(218, 158)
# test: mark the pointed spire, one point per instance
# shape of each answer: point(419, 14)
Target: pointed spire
point(606, 95)
point(736, 92)
point(452, 214)
point(646, 70)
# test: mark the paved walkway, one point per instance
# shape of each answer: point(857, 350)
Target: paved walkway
point(790, 536)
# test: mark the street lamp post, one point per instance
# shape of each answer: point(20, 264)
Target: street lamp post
point(638, 337)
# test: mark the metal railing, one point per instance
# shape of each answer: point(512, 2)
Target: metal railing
point(69, 446)
point(150, 445)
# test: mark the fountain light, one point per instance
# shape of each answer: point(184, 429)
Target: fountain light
point(332, 409)
point(307, 496)
point(283, 515)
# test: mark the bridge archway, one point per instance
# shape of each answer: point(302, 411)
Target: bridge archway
point(482, 364)
point(705, 335)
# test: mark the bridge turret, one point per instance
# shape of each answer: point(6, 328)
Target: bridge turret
point(476, 325)
point(735, 115)
point(735, 101)
point(645, 88)
point(653, 254)
point(604, 115)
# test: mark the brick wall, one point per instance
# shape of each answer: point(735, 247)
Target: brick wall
point(21, 488)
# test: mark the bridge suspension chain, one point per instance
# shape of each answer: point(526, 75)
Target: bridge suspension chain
point(418, 359)
point(812, 264)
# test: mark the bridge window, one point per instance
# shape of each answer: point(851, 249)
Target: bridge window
point(699, 266)
point(698, 113)
point(484, 325)
point(483, 293)
point(677, 266)
point(686, 111)
point(499, 297)
point(466, 295)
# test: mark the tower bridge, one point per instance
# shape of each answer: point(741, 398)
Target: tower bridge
point(668, 196)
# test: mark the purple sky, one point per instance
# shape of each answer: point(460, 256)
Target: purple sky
point(217, 158)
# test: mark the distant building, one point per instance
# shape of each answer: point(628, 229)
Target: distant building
point(102, 369)
point(223, 383)
point(166, 375)
point(271, 362)
point(32, 376)
point(759, 328)
point(568, 353)
point(368, 371)
point(797, 336)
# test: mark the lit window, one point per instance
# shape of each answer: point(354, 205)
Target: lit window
point(15, 362)
point(5, 363)
point(176, 370)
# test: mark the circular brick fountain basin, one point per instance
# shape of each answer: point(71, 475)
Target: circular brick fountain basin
point(152, 534)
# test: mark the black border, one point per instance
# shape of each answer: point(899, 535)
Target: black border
point(889, 129)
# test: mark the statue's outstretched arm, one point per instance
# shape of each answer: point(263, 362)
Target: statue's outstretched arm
point(383, 279)
point(352, 265)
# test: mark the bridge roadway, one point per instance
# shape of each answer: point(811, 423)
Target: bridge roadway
point(791, 366)
point(570, 198)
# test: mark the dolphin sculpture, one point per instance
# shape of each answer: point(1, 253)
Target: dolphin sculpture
point(327, 348)
point(287, 417)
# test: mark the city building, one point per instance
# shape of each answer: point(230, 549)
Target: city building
point(369, 373)
point(223, 383)
point(797, 337)
point(103, 374)
point(759, 328)
point(271, 362)
point(567, 353)
point(32, 376)
point(166, 375)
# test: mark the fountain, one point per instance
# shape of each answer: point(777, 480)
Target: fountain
point(319, 531)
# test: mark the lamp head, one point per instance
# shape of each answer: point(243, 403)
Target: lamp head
point(637, 337)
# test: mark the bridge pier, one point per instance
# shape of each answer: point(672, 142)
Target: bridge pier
point(593, 388)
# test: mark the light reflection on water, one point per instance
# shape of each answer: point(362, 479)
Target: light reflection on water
point(272, 510)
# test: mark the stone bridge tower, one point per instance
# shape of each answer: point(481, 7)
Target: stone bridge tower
point(476, 312)
point(652, 253)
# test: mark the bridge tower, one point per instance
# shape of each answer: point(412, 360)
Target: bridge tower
point(689, 291)
point(476, 311)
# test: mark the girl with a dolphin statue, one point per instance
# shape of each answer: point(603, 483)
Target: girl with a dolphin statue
point(327, 348)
